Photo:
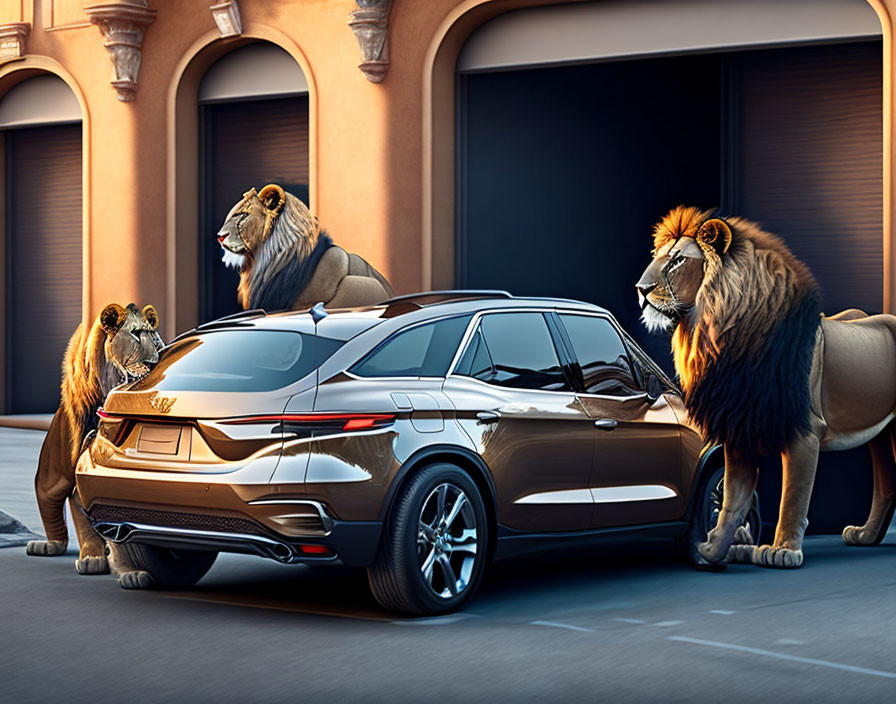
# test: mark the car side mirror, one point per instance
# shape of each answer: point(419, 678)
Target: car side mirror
point(654, 387)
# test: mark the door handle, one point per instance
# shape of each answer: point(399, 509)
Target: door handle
point(487, 417)
point(605, 423)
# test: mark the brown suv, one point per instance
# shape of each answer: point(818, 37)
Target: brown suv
point(420, 438)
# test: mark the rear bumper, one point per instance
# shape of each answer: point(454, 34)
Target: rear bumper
point(350, 543)
point(274, 521)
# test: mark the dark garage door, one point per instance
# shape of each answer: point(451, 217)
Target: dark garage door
point(245, 144)
point(43, 236)
point(563, 171)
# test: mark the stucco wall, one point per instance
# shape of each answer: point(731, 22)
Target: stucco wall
point(381, 155)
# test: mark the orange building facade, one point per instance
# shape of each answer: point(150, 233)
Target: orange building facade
point(381, 162)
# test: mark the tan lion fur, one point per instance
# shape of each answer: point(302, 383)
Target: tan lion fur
point(287, 260)
point(85, 373)
point(731, 306)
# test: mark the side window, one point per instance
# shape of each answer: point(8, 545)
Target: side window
point(424, 350)
point(514, 350)
point(605, 363)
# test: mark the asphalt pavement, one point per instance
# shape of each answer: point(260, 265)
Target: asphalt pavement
point(611, 625)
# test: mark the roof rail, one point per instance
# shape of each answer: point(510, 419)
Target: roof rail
point(252, 313)
point(556, 299)
point(447, 295)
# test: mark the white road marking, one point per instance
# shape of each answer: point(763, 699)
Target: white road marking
point(553, 624)
point(722, 612)
point(630, 620)
point(666, 624)
point(785, 656)
point(789, 641)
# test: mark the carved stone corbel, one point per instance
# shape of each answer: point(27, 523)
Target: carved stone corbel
point(227, 18)
point(123, 24)
point(12, 40)
point(370, 23)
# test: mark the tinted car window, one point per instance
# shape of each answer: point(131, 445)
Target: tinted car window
point(424, 350)
point(602, 355)
point(238, 360)
point(515, 350)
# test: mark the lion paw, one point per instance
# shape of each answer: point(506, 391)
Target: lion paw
point(137, 579)
point(45, 548)
point(769, 556)
point(858, 535)
point(741, 554)
point(714, 551)
point(92, 565)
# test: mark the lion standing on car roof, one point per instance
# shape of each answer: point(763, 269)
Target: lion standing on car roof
point(287, 261)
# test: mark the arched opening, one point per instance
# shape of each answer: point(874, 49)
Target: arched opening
point(253, 130)
point(40, 121)
point(617, 115)
point(578, 126)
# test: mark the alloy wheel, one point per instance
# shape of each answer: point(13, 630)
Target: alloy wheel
point(447, 540)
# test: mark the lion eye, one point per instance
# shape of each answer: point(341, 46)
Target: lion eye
point(676, 261)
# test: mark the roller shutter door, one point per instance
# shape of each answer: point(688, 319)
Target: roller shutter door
point(808, 164)
point(43, 243)
point(245, 144)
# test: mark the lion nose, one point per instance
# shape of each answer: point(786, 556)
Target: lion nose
point(220, 239)
point(644, 289)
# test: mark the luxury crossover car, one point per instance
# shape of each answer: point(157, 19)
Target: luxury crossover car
point(420, 438)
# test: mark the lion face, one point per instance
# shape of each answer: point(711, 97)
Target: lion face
point(249, 223)
point(668, 287)
point(132, 343)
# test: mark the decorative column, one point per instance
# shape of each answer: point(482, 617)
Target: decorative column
point(12, 40)
point(123, 24)
point(370, 23)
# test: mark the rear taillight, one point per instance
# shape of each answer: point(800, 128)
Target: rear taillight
point(306, 423)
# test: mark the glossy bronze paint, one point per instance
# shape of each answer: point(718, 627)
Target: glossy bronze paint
point(643, 449)
point(542, 449)
point(354, 472)
point(539, 442)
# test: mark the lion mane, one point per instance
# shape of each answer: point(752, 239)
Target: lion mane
point(87, 377)
point(744, 351)
point(286, 260)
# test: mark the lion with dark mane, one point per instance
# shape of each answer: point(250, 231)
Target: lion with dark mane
point(764, 373)
point(121, 344)
point(287, 261)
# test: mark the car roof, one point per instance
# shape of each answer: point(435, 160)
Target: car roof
point(412, 308)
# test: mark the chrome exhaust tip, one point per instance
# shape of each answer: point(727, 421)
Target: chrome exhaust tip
point(282, 552)
point(114, 532)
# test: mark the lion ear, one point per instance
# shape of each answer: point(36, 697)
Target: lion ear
point(112, 318)
point(272, 197)
point(151, 317)
point(717, 234)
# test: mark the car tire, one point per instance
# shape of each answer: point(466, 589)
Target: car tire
point(427, 539)
point(170, 568)
point(705, 514)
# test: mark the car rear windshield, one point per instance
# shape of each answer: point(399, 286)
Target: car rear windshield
point(238, 360)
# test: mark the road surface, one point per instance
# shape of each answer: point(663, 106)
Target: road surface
point(613, 625)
